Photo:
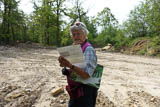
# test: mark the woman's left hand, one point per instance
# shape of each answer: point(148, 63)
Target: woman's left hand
point(64, 62)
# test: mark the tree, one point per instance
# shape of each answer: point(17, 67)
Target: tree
point(76, 12)
point(144, 20)
point(43, 27)
point(153, 16)
point(108, 27)
point(137, 25)
point(91, 26)
point(11, 17)
point(58, 8)
point(144, 25)
point(105, 19)
point(47, 19)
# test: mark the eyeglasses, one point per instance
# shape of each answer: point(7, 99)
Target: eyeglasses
point(77, 33)
point(79, 24)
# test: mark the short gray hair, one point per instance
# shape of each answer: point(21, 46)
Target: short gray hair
point(79, 26)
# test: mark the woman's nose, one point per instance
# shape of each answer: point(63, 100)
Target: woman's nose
point(76, 36)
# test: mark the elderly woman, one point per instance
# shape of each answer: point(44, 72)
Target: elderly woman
point(81, 95)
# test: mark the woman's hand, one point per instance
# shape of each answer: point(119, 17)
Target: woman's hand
point(64, 62)
point(77, 42)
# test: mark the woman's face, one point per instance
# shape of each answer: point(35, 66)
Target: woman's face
point(78, 36)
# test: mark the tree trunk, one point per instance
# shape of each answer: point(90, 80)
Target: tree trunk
point(4, 21)
point(25, 33)
point(9, 14)
point(57, 23)
point(47, 38)
point(13, 34)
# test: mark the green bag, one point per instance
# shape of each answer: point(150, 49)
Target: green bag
point(94, 81)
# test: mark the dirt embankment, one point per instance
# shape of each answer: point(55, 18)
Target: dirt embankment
point(28, 76)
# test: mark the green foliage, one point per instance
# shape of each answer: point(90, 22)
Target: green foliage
point(149, 46)
point(144, 20)
point(109, 26)
point(153, 16)
point(12, 22)
point(155, 46)
point(156, 41)
point(106, 19)
point(141, 52)
point(43, 24)
point(108, 35)
point(143, 24)
point(121, 42)
point(76, 12)
point(91, 28)
point(65, 37)
point(48, 25)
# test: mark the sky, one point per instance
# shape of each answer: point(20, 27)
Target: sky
point(119, 8)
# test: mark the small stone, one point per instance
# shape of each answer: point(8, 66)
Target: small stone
point(62, 101)
point(57, 91)
point(131, 105)
point(152, 99)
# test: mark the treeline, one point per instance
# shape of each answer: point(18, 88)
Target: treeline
point(143, 28)
point(50, 21)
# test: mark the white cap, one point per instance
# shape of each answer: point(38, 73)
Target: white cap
point(79, 26)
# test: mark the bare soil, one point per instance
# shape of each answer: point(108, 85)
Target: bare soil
point(29, 74)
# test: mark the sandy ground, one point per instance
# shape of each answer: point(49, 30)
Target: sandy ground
point(28, 76)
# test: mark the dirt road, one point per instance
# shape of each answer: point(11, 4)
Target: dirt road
point(28, 76)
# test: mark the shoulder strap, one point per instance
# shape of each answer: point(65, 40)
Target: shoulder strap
point(85, 45)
